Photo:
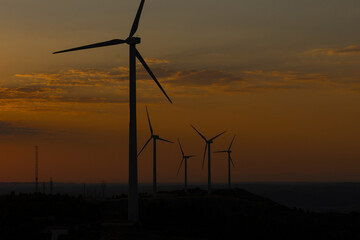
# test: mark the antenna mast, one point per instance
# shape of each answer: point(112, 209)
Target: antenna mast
point(51, 186)
point(36, 168)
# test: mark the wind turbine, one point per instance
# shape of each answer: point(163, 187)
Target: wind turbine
point(228, 151)
point(133, 205)
point(154, 138)
point(208, 147)
point(184, 159)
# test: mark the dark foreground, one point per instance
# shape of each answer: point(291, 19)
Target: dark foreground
point(173, 215)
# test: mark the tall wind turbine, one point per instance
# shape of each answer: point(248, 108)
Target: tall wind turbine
point(208, 143)
point(133, 208)
point(228, 151)
point(154, 138)
point(184, 160)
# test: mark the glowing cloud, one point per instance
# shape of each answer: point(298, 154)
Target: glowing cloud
point(349, 50)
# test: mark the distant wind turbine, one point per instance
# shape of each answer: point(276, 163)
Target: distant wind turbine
point(133, 205)
point(228, 151)
point(184, 160)
point(208, 147)
point(154, 138)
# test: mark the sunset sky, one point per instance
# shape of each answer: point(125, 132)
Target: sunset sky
point(283, 75)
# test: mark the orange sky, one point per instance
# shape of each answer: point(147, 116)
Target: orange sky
point(282, 76)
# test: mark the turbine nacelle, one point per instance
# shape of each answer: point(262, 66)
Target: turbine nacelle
point(133, 40)
point(228, 152)
point(152, 136)
point(207, 145)
point(185, 157)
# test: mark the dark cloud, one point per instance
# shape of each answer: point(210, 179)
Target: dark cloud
point(349, 50)
point(90, 100)
point(29, 92)
point(262, 88)
point(202, 78)
point(14, 129)
point(286, 77)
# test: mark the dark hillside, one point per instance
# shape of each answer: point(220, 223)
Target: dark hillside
point(173, 215)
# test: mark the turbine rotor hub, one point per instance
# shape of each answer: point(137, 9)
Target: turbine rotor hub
point(133, 40)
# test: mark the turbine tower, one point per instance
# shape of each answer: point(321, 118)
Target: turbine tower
point(36, 169)
point(228, 151)
point(154, 138)
point(208, 143)
point(133, 208)
point(184, 160)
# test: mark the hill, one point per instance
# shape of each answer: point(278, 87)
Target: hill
point(172, 215)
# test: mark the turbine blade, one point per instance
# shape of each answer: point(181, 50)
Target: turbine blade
point(144, 146)
point(231, 143)
point(204, 156)
point(137, 19)
point(198, 132)
point(182, 160)
point(218, 135)
point(181, 148)
point(95, 45)
point(147, 113)
point(232, 161)
point(220, 152)
point(138, 55)
point(161, 139)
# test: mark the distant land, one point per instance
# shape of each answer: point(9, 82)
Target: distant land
point(341, 197)
point(225, 214)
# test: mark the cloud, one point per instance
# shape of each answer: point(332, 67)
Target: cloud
point(201, 78)
point(77, 77)
point(260, 81)
point(13, 129)
point(286, 76)
point(156, 60)
point(29, 92)
point(109, 85)
point(60, 90)
point(263, 88)
point(349, 50)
